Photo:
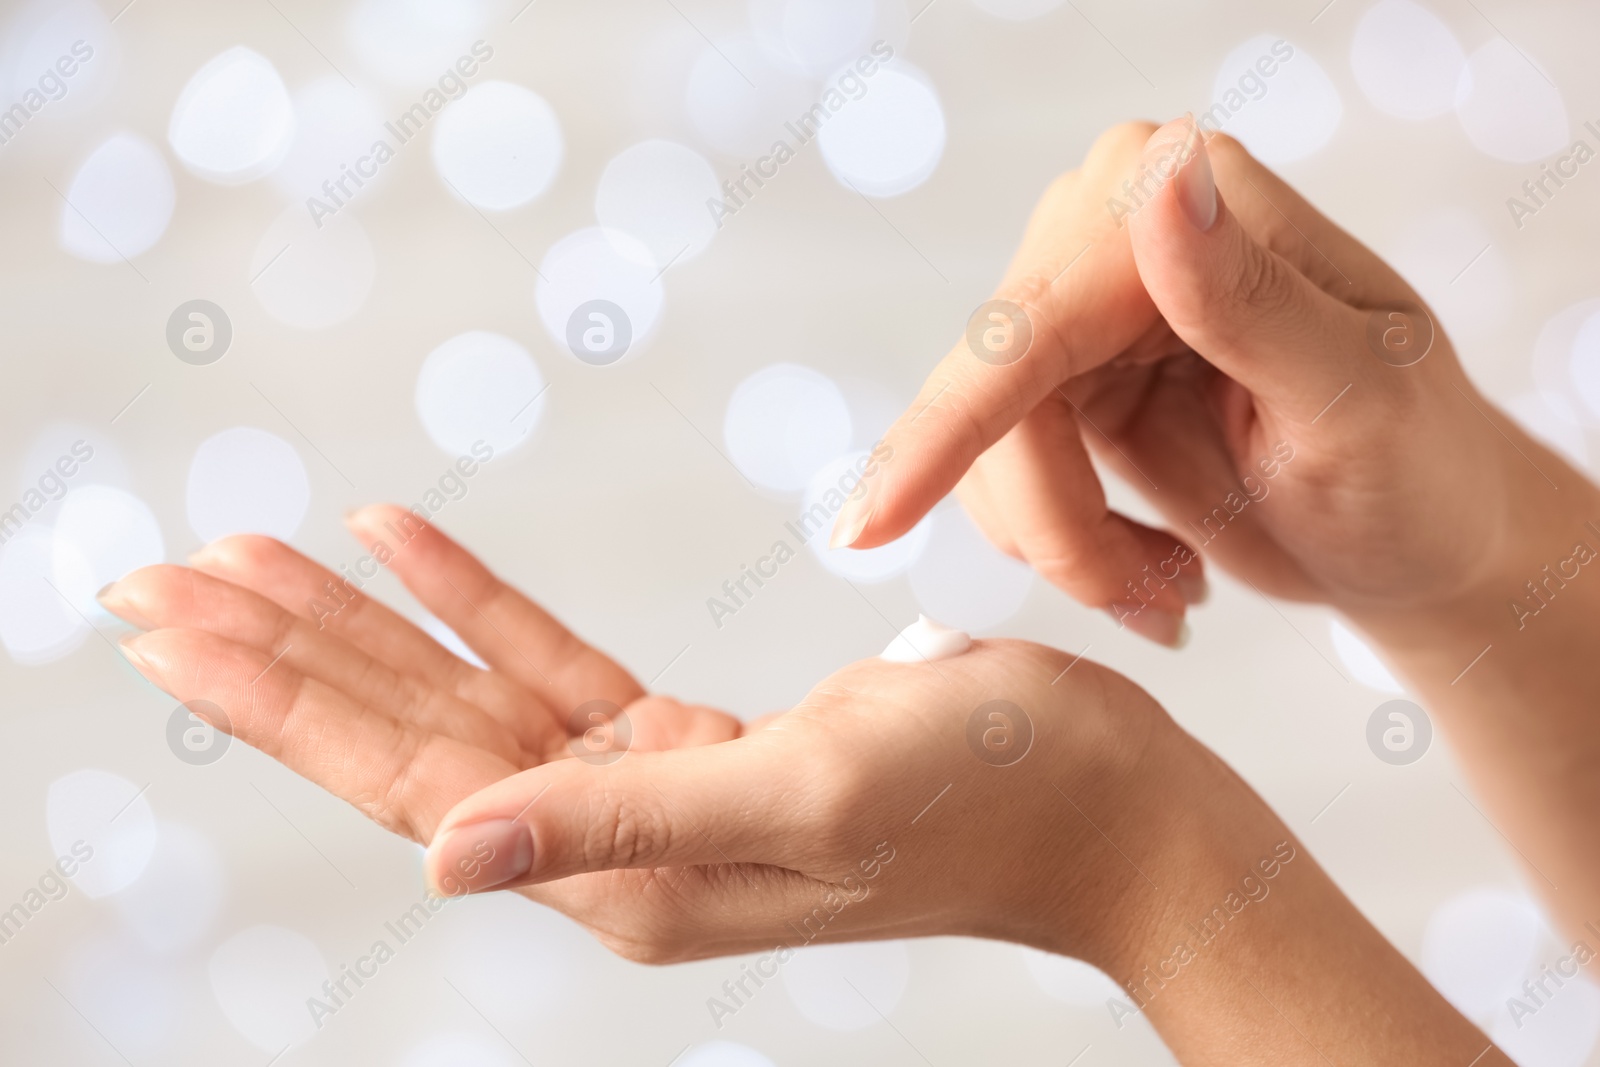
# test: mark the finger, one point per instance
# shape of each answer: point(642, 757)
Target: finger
point(399, 776)
point(337, 604)
point(510, 632)
point(1242, 306)
point(736, 802)
point(1056, 514)
point(1214, 470)
point(170, 597)
point(1077, 287)
point(676, 914)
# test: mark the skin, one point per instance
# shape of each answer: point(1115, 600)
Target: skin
point(872, 809)
point(1177, 355)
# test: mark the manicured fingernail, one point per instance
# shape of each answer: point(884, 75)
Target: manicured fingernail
point(1162, 627)
point(118, 605)
point(132, 655)
point(1194, 588)
point(1197, 186)
point(479, 856)
point(852, 520)
point(104, 589)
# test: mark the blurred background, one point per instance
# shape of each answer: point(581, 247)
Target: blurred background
point(544, 261)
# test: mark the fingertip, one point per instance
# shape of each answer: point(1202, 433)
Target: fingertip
point(479, 856)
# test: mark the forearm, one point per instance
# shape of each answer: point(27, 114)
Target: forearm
point(1242, 951)
point(1511, 675)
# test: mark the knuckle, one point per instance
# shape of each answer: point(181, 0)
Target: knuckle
point(1261, 282)
point(626, 835)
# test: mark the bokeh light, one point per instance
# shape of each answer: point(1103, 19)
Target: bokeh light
point(312, 273)
point(246, 480)
point(656, 193)
point(783, 424)
point(234, 121)
point(961, 580)
point(119, 203)
point(103, 822)
point(1406, 60)
point(1509, 107)
point(261, 978)
point(499, 146)
point(1282, 117)
point(848, 986)
point(890, 139)
point(476, 389)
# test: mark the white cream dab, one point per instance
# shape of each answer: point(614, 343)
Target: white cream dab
point(926, 640)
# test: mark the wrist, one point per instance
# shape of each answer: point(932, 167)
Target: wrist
point(1548, 541)
point(1187, 848)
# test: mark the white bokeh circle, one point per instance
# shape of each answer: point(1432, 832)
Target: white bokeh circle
point(738, 98)
point(1282, 117)
point(1508, 108)
point(101, 534)
point(136, 1001)
point(1477, 946)
point(656, 192)
point(1406, 60)
point(783, 424)
point(479, 388)
point(848, 986)
point(1553, 421)
point(587, 266)
point(1564, 373)
point(174, 902)
point(816, 37)
point(45, 31)
point(313, 274)
point(1360, 660)
point(962, 580)
point(1584, 363)
point(261, 978)
point(499, 146)
point(119, 202)
point(103, 821)
point(1561, 1032)
point(890, 139)
point(1452, 259)
point(37, 625)
point(246, 480)
point(233, 122)
point(336, 125)
point(828, 490)
point(724, 1054)
point(516, 960)
point(414, 41)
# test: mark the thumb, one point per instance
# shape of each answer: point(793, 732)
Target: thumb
point(722, 803)
point(1244, 308)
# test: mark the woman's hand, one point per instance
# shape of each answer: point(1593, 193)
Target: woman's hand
point(971, 795)
point(1275, 389)
point(1009, 792)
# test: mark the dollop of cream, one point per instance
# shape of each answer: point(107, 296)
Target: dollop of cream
point(925, 641)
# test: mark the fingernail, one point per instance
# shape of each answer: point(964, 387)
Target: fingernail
point(121, 608)
point(140, 664)
point(1194, 588)
point(1162, 627)
point(479, 856)
point(1197, 186)
point(852, 520)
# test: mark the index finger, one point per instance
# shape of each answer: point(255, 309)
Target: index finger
point(1070, 301)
